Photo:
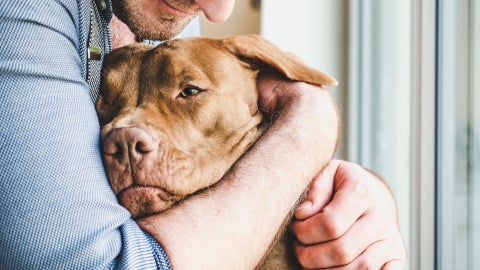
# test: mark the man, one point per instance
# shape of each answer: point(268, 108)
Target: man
point(59, 213)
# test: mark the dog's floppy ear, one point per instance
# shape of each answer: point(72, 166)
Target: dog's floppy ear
point(259, 52)
point(126, 56)
point(122, 66)
point(120, 72)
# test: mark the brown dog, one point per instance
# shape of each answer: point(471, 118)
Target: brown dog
point(177, 116)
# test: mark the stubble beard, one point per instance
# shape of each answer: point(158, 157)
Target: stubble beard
point(144, 26)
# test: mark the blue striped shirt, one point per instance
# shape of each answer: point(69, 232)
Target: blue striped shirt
point(58, 211)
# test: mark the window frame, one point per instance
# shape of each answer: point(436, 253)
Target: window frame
point(422, 252)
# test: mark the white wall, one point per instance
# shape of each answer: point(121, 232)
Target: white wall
point(244, 20)
point(315, 30)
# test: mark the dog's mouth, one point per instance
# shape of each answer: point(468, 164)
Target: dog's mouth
point(146, 200)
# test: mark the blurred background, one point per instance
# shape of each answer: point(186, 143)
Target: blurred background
point(409, 94)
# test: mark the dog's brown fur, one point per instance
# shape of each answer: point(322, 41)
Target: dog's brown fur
point(177, 116)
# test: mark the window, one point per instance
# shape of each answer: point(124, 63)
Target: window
point(458, 170)
point(409, 92)
point(379, 106)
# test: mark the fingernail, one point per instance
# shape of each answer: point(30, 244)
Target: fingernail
point(305, 205)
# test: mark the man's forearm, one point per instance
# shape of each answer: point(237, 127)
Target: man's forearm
point(234, 222)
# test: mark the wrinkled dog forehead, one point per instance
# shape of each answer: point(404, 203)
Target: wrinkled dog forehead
point(215, 66)
point(180, 64)
point(207, 52)
point(205, 56)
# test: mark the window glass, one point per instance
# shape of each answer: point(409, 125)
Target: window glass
point(380, 95)
point(410, 99)
point(458, 164)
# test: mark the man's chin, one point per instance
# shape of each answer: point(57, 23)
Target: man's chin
point(145, 25)
point(165, 31)
point(159, 28)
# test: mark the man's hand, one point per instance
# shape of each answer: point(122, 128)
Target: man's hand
point(348, 221)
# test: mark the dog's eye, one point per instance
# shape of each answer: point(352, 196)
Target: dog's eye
point(189, 91)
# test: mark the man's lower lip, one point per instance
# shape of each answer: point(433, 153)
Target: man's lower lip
point(177, 12)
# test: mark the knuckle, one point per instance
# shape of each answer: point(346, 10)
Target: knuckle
point(302, 236)
point(304, 257)
point(302, 231)
point(365, 263)
point(342, 254)
point(333, 226)
point(362, 189)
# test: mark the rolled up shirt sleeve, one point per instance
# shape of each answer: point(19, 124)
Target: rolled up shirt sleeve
point(58, 211)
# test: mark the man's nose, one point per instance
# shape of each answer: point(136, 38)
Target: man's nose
point(216, 10)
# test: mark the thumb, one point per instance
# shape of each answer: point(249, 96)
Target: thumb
point(320, 192)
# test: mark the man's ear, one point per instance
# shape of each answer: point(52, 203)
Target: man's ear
point(261, 53)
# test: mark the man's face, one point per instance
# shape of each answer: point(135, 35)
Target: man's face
point(164, 19)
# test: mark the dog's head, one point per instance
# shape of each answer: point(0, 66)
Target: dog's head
point(177, 116)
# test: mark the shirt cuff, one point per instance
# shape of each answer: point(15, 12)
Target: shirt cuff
point(161, 258)
point(139, 250)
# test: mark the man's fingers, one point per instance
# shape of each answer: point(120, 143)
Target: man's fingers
point(356, 229)
point(320, 192)
point(333, 221)
point(345, 249)
point(351, 200)
point(377, 254)
point(394, 265)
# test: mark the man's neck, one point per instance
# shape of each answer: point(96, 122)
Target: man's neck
point(121, 34)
